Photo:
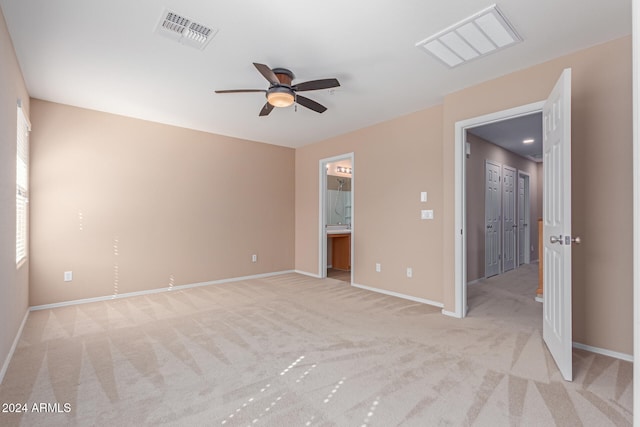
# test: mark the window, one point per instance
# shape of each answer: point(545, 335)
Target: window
point(22, 186)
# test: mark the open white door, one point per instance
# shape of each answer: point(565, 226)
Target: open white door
point(557, 224)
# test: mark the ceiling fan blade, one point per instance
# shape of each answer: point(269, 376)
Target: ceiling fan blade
point(240, 90)
point(312, 105)
point(267, 73)
point(266, 109)
point(316, 84)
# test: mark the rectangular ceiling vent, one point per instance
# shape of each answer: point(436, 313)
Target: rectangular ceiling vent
point(185, 30)
point(486, 32)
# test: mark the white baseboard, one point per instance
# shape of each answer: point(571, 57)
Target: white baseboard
point(604, 352)
point(305, 273)
point(450, 313)
point(399, 295)
point(155, 291)
point(5, 365)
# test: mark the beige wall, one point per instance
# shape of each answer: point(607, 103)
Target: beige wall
point(481, 151)
point(129, 205)
point(14, 283)
point(386, 226)
point(393, 162)
point(602, 180)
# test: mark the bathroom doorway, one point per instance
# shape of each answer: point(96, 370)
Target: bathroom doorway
point(336, 217)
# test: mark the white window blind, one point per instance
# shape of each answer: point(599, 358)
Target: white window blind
point(22, 186)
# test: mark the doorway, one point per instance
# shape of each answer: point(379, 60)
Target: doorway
point(461, 151)
point(336, 217)
point(500, 198)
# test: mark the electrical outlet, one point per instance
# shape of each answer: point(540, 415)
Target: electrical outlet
point(426, 214)
point(409, 272)
point(378, 267)
point(254, 258)
point(68, 276)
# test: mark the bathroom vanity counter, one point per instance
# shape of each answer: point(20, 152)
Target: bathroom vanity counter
point(339, 231)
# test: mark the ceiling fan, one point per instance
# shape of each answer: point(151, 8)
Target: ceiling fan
point(282, 93)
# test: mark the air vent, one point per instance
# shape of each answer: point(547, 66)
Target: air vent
point(185, 30)
point(484, 33)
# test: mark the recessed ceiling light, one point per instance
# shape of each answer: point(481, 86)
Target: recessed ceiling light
point(528, 141)
point(478, 35)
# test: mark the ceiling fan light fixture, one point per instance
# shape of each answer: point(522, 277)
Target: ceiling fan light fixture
point(280, 97)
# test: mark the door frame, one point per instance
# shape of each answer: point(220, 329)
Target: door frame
point(322, 213)
point(460, 210)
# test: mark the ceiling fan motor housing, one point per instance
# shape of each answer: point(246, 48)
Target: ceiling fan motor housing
point(284, 76)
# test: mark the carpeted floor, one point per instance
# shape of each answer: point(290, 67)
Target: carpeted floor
point(296, 351)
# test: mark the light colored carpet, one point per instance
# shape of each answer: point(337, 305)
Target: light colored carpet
point(296, 351)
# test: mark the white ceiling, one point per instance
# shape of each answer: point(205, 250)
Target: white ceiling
point(105, 55)
point(510, 134)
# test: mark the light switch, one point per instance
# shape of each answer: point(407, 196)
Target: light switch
point(68, 276)
point(426, 214)
point(423, 196)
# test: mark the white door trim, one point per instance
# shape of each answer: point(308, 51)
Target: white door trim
point(459, 231)
point(322, 213)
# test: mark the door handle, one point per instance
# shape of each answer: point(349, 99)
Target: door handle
point(514, 226)
point(576, 240)
point(555, 239)
point(489, 226)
